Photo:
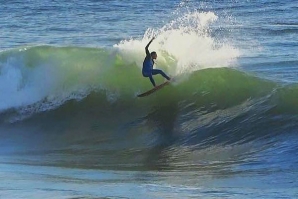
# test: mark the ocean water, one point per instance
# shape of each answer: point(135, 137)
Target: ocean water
point(72, 126)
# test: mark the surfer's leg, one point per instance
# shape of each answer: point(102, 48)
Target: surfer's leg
point(149, 74)
point(157, 71)
point(152, 80)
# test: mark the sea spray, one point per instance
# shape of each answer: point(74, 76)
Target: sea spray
point(183, 45)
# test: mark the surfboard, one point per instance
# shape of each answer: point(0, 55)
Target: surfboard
point(154, 89)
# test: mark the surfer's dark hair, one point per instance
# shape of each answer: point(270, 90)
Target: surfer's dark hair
point(152, 53)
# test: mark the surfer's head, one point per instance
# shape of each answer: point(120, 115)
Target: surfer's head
point(153, 55)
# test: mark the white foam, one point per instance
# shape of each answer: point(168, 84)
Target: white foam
point(15, 91)
point(45, 84)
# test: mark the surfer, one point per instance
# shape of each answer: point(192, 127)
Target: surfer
point(148, 63)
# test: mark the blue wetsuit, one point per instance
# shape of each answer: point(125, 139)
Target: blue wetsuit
point(148, 70)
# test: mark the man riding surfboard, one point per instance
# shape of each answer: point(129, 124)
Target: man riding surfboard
point(148, 63)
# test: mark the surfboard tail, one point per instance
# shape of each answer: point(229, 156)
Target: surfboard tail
point(154, 89)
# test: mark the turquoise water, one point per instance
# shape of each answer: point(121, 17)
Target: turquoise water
point(71, 125)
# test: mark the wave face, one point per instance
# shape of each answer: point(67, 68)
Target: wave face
point(210, 115)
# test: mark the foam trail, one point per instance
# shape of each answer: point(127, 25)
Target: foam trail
point(184, 45)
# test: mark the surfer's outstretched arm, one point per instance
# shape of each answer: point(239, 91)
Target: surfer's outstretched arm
point(146, 48)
